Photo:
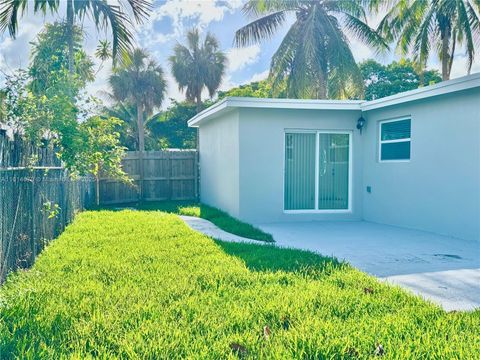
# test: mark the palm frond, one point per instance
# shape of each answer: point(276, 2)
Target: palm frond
point(260, 29)
point(10, 10)
point(258, 8)
point(105, 15)
point(365, 33)
point(141, 9)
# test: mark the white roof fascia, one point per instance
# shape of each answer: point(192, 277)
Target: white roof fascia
point(301, 104)
point(445, 87)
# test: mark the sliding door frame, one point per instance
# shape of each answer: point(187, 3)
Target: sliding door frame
point(317, 170)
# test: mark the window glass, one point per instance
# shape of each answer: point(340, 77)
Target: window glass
point(395, 140)
point(312, 184)
point(395, 130)
point(396, 151)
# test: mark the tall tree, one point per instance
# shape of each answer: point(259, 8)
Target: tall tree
point(197, 65)
point(141, 82)
point(103, 14)
point(422, 26)
point(314, 57)
point(170, 128)
point(127, 113)
point(3, 107)
point(394, 78)
point(50, 57)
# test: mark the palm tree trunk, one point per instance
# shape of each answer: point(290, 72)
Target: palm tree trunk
point(70, 24)
point(322, 86)
point(140, 129)
point(97, 188)
point(141, 149)
point(452, 54)
point(445, 56)
point(199, 103)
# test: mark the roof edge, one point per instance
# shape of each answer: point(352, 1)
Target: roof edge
point(444, 87)
point(269, 103)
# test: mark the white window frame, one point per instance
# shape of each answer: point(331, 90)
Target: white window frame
point(317, 171)
point(380, 141)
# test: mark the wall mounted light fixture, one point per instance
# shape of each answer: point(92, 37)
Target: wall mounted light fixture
point(361, 123)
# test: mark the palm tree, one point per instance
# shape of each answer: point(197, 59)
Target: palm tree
point(103, 14)
point(421, 26)
point(127, 113)
point(314, 58)
point(103, 52)
point(197, 66)
point(140, 82)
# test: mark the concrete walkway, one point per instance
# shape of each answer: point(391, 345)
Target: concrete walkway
point(442, 269)
point(210, 229)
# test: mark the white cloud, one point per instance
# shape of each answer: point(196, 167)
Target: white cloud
point(238, 58)
point(15, 52)
point(459, 67)
point(259, 76)
point(184, 14)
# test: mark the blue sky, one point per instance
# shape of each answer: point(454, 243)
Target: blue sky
point(168, 23)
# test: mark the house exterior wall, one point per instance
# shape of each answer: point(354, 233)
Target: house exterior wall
point(438, 190)
point(219, 163)
point(262, 133)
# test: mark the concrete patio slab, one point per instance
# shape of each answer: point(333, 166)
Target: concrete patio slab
point(380, 250)
point(453, 289)
point(442, 269)
point(439, 268)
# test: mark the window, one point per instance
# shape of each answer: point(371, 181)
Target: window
point(317, 171)
point(395, 140)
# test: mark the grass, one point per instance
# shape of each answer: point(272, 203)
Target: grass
point(220, 218)
point(142, 285)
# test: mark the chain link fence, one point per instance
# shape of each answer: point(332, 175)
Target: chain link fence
point(37, 200)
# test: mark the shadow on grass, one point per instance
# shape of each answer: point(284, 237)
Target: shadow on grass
point(273, 258)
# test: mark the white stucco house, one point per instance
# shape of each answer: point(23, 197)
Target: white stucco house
point(409, 160)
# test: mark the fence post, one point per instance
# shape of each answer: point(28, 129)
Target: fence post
point(169, 175)
point(33, 210)
point(196, 164)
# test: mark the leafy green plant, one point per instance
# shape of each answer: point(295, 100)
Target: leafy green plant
point(102, 153)
point(385, 80)
point(51, 209)
point(257, 89)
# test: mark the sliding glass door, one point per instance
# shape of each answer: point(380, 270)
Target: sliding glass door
point(317, 171)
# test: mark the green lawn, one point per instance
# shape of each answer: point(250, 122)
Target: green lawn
point(216, 216)
point(142, 285)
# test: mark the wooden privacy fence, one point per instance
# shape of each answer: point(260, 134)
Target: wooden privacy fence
point(37, 200)
point(167, 175)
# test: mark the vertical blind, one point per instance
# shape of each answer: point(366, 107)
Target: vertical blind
point(312, 184)
point(333, 171)
point(300, 171)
